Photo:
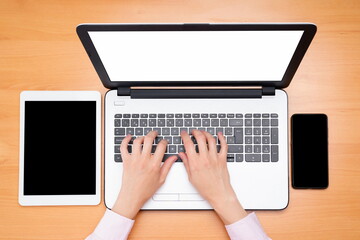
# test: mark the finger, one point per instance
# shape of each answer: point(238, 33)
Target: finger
point(137, 146)
point(188, 144)
point(148, 142)
point(165, 169)
point(223, 145)
point(201, 141)
point(160, 150)
point(124, 147)
point(211, 142)
point(185, 160)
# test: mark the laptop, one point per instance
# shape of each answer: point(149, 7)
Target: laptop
point(215, 77)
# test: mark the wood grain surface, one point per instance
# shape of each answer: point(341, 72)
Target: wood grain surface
point(39, 50)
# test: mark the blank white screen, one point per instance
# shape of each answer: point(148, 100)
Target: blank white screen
point(195, 55)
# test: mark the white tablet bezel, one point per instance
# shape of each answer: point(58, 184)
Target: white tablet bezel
point(45, 200)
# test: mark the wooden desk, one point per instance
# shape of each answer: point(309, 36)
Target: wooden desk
point(39, 50)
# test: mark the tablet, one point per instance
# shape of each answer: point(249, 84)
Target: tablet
point(60, 148)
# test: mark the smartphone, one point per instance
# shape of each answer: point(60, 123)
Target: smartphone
point(309, 145)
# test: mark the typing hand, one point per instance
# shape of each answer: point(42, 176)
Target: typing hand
point(142, 173)
point(207, 171)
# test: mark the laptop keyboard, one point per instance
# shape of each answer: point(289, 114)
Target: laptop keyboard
point(251, 137)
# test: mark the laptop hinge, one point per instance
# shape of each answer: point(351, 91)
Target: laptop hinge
point(196, 92)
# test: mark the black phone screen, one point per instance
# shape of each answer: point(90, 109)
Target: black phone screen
point(309, 151)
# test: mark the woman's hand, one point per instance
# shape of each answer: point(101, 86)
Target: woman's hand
point(143, 173)
point(207, 171)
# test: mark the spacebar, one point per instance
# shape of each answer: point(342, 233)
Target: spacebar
point(166, 197)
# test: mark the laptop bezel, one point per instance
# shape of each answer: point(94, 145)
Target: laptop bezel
point(308, 28)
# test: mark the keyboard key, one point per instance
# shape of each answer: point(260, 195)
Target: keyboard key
point(152, 115)
point(239, 157)
point(158, 139)
point(235, 122)
point(266, 157)
point(257, 131)
point(161, 122)
point(153, 148)
point(118, 140)
point(126, 115)
point(219, 129)
point(266, 131)
point(161, 115)
point(135, 115)
point(257, 148)
point(165, 131)
point(266, 148)
point(253, 157)
point(175, 131)
point(179, 122)
point(143, 122)
point(166, 156)
point(248, 148)
point(265, 115)
point(230, 115)
point(197, 122)
point(134, 122)
point(257, 115)
point(248, 131)
point(213, 115)
point(158, 130)
point(181, 148)
point(170, 122)
point(143, 115)
point(117, 158)
point(274, 122)
point(118, 115)
point(191, 130)
point(188, 122)
point(169, 115)
point(222, 115)
point(119, 131)
point(257, 140)
point(274, 135)
point(215, 122)
point(130, 131)
point(187, 115)
point(168, 139)
point(248, 140)
point(230, 140)
point(224, 122)
point(228, 131)
point(152, 122)
point(248, 115)
point(132, 140)
point(125, 122)
point(257, 122)
point(204, 115)
point(230, 157)
point(193, 139)
point(184, 129)
point(201, 129)
point(266, 140)
point(239, 115)
point(172, 148)
point(206, 122)
point(248, 122)
point(196, 115)
point(235, 148)
point(147, 130)
point(117, 149)
point(176, 140)
point(178, 115)
point(274, 153)
point(274, 115)
point(265, 122)
point(211, 131)
point(139, 131)
point(117, 122)
point(238, 134)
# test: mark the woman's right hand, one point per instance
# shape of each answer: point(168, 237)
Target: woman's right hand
point(207, 171)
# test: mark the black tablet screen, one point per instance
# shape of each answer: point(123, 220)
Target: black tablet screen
point(60, 148)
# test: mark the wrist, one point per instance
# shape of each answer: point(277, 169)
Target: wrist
point(229, 209)
point(126, 206)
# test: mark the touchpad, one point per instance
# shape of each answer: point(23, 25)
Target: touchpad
point(177, 181)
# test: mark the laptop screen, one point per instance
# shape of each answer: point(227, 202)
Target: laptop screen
point(196, 55)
